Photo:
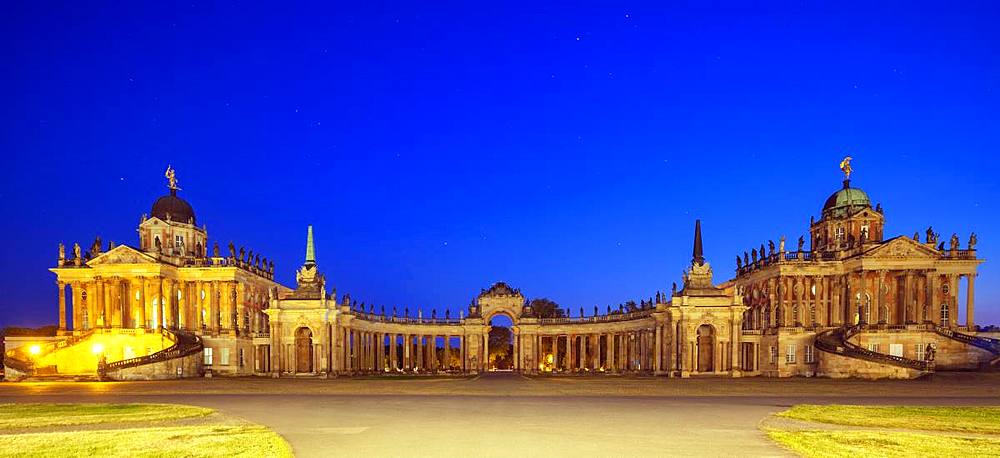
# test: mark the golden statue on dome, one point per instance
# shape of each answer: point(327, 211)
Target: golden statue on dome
point(171, 178)
point(845, 166)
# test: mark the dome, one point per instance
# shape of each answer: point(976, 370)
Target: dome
point(846, 201)
point(177, 208)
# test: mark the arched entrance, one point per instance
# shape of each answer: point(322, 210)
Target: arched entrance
point(706, 346)
point(500, 348)
point(303, 350)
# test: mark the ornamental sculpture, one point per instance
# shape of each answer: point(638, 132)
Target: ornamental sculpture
point(845, 166)
point(171, 178)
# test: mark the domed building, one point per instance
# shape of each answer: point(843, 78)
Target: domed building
point(120, 298)
point(896, 299)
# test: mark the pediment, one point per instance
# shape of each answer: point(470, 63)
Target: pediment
point(122, 254)
point(903, 248)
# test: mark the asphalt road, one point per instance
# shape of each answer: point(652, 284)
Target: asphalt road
point(414, 423)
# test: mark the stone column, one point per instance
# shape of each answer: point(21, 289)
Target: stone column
point(658, 351)
point(75, 289)
point(393, 354)
point(570, 352)
point(140, 318)
point(879, 301)
point(908, 316)
point(970, 309)
point(953, 300)
point(592, 353)
point(62, 305)
point(447, 352)
point(418, 363)
point(407, 348)
point(484, 361)
point(463, 367)
point(555, 352)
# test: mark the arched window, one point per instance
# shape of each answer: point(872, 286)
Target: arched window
point(944, 315)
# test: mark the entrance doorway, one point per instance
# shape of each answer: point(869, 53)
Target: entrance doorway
point(500, 351)
point(706, 345)
point(303, 350)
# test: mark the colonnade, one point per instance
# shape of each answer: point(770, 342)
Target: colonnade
point(214, 306)
point(377, 352)
point(881, 296)
point(622, 351)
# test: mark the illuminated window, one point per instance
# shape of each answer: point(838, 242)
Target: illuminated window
point(873, 347)
point(944, 315)
point(840, 234)
point(790, 355)
point(810, 354)
point(224, 360)
point(208, 356)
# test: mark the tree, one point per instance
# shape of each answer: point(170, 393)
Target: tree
point(546, 308)
point(501, 346)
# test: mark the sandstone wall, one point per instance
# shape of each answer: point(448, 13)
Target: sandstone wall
point(186, 367)
point(836, 366)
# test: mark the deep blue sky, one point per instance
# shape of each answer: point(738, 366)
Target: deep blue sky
point(566, 149)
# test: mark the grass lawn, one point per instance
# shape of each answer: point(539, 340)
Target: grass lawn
point(194, 441)
point(45, 415)
point(85, 430)
point(982, 420)
point(830, 444)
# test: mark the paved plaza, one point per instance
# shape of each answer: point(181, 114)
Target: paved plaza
point(510, 415)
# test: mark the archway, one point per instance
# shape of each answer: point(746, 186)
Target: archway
point(500, 348)
point(706, 347)
point(303, 350)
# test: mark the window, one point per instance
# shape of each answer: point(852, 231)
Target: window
point(774, 355)
point(810, 355)
point(896, 350)
point(840, 234)
point(944, 315)
point(920, 351)
point(225, 357)
point(241, 360)
point(873, 347)
point(208, 356)
point(178, 240)
point(790, 355)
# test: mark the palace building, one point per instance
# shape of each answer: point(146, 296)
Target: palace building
point(852, 304)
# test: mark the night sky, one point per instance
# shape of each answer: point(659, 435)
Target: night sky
point(565, 149)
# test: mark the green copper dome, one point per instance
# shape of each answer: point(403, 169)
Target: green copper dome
point(846, 201)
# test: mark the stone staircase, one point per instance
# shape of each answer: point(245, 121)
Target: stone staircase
point(985, 343)
point(837, 341)
point(185, 344)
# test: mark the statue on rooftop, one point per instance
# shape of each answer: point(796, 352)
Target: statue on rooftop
point(802, 242)
point(954, 242)
point(781, 244)
point(845, 166)
point(739, 262)
point(916, 236)
point(753, 255)
point(770, 247)
point(931, 236)
point(746, 258)
point(171, 178)
point(973, 240)
point(62, 253)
